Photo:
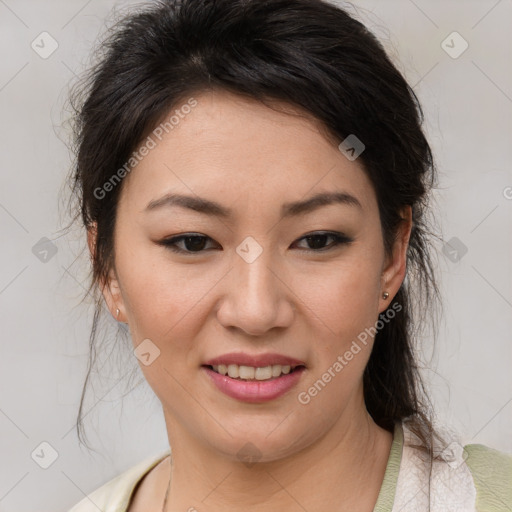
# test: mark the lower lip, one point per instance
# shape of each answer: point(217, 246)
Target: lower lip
point(255, 391)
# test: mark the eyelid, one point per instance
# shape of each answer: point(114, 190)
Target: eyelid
point(339, 240)
point(170, 243)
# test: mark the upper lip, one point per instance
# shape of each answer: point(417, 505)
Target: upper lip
point(256, 361)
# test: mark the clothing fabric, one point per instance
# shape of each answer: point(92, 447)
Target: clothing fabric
point(470, 478)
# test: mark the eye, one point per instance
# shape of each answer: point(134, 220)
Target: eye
point(195, 243)
point(319, 238)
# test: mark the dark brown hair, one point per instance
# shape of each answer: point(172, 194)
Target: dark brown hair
point(311, 55)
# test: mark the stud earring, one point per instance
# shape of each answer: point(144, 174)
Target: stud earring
point(117, 313)
point(385, 295)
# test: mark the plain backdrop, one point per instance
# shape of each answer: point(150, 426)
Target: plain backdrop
point(467, 100)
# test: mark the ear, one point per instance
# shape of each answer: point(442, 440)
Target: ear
point(110, 288)
point(393, 272)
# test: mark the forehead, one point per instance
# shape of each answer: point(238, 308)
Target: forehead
point(228, 145)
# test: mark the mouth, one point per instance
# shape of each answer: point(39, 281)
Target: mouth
point(251, 373)
point(254, 384)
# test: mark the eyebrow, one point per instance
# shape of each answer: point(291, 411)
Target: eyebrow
point(293, 209)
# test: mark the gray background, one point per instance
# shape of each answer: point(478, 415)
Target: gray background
point(468, 107)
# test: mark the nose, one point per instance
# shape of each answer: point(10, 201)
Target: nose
point(256, 297)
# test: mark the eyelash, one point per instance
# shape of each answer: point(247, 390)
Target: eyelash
point(339, 239)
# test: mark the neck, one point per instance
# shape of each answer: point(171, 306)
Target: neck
point(345, 468)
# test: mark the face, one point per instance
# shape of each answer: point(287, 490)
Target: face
point(264, 273)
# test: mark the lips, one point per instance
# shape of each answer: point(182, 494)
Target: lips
point(258, 390)
point(254, 391)
point(256, 361)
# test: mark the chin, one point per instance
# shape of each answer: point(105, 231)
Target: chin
point(262, 440)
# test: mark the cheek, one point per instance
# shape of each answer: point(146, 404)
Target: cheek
point(164, 300)
point(342, 304)
point(342, 308)
point(165, 304)
point(344, 299)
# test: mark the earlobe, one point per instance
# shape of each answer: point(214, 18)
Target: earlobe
point(109, 288)
point(394, 273)
point(112, 295)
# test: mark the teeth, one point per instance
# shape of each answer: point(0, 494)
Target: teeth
point(233, 371)
point(276, 370)
point(246, 372)
point(262, 373)
point(250, 373)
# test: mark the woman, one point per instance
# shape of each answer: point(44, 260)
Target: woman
point(254, 181)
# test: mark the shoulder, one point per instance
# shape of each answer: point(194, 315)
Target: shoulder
point(115, 495)
point(460, 477)
point(492, 475)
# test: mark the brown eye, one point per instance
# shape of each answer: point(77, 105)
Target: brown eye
point(195, 243)
point(192, 243)
point(317, 241)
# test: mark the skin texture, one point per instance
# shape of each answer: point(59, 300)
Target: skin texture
point(307, 305)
